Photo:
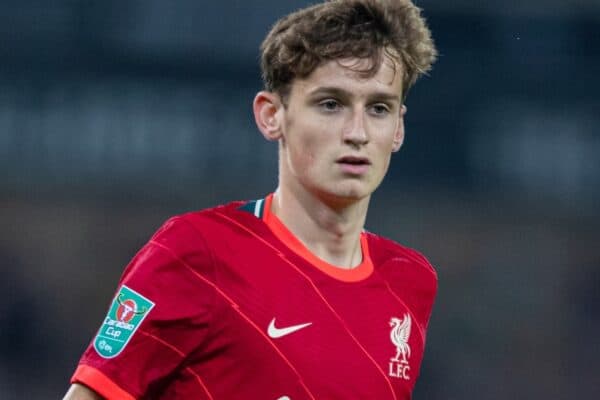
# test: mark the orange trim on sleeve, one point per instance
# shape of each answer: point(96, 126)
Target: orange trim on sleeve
point(358, 273)
point(100, 383)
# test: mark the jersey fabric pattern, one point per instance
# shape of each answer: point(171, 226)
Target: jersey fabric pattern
point(243, 310)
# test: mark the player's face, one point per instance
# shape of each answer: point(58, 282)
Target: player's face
point(339, 130)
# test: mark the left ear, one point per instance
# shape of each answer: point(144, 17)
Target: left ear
point(399, 134)
point(267, 108)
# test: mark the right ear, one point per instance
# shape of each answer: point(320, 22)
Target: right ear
point(267, 107)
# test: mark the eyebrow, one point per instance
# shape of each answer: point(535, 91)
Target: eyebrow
point(338, 92)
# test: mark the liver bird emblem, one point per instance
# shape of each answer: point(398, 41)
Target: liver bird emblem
point(399, 335)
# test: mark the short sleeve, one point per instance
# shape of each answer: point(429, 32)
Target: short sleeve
point(160, 313)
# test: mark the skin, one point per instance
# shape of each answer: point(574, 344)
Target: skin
point(333, 115)
point(80, 392)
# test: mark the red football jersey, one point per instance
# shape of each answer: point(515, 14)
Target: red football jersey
point(226, 303)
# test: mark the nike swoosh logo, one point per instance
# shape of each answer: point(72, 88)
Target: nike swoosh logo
point(276, 333)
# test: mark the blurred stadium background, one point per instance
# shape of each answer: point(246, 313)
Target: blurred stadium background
point(115, 115)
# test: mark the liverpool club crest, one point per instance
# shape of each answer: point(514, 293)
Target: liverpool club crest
point(399, 366)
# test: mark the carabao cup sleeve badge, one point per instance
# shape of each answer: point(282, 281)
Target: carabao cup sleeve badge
point(124, 317)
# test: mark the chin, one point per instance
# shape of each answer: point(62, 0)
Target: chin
point(346, 195)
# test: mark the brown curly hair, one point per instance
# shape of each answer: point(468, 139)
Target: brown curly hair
point(368, 29)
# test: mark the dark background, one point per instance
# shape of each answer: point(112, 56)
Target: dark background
point(115, 115)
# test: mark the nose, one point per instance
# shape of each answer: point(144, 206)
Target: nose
point(355, 132)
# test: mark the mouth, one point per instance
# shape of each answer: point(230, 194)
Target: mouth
point(353, 160)
point(354, 166)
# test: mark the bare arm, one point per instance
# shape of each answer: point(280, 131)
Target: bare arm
point(80, 392)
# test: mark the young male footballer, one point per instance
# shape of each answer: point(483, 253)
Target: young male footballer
point(288, 297)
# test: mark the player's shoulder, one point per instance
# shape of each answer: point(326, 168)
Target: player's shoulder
point(384, 249)
point(197, 237)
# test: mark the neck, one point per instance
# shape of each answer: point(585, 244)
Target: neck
point(329, 230)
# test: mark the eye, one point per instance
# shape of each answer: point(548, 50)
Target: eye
point(329, 105)
point(380, 109)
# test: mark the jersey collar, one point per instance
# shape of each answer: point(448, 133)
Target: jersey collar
point(262, 209)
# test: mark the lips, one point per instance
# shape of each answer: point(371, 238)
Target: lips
point(353, 160)
point(353, 165)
